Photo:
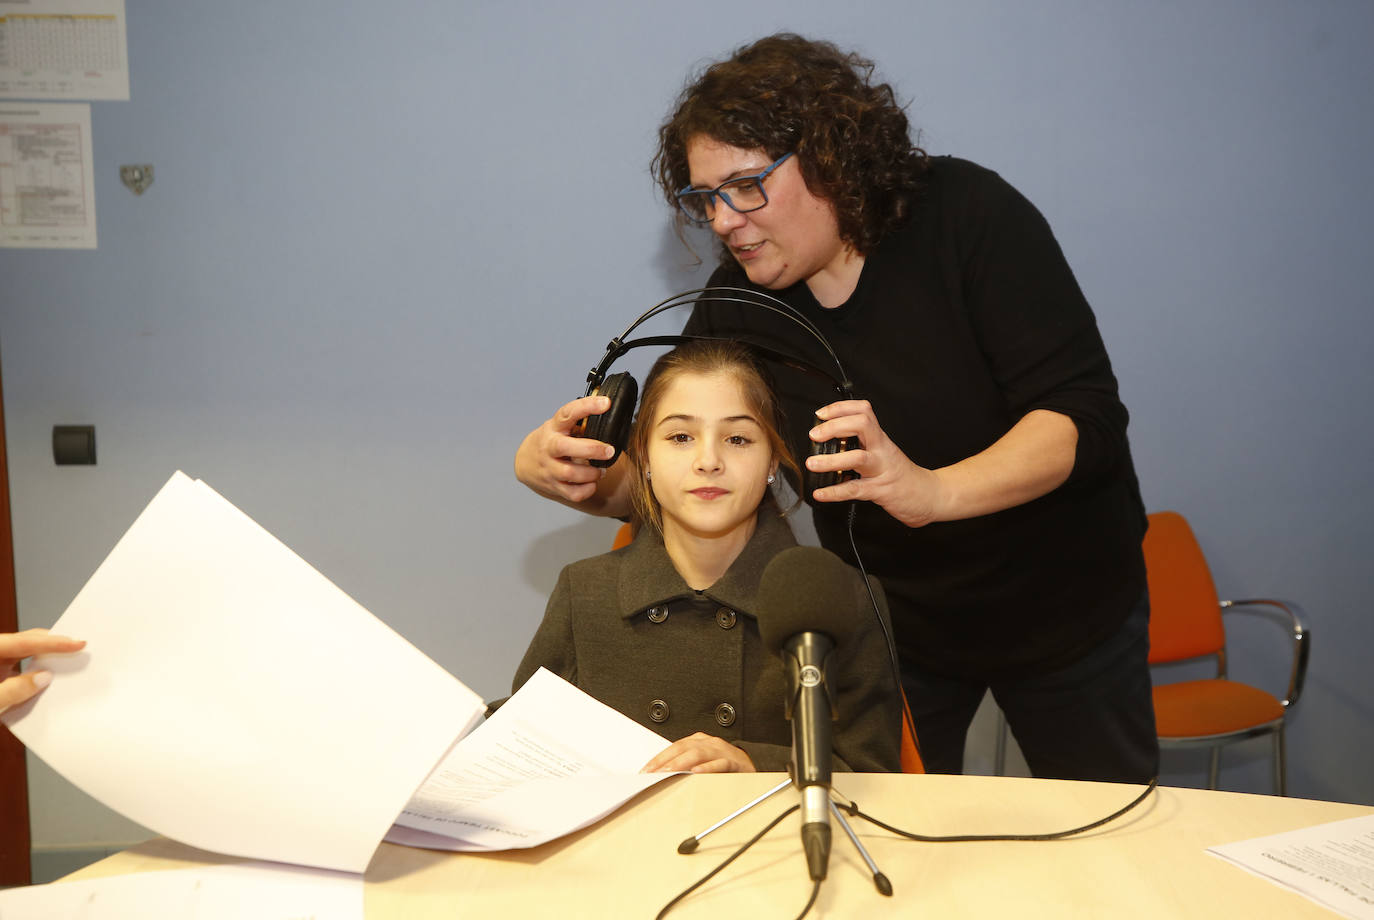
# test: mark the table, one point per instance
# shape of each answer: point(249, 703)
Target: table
point(1150, 863)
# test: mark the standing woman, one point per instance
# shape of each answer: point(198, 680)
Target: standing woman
point(665, 629)
point(996, 498)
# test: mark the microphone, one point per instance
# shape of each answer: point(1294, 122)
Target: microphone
point(806, 611)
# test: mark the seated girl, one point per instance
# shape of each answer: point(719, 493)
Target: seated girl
point(664, 629)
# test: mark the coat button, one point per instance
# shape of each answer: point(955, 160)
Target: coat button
point(725, 714)
point(658, 711)
point(658, 614)
point(725, 618)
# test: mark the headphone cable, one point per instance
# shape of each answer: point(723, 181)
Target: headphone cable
point(883, 624)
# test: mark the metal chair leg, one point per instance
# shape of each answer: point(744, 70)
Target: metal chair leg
point(1280, 761)
point(1214, 770)
point(999, 754)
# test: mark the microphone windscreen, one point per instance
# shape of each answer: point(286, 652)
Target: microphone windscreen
point(808, 589)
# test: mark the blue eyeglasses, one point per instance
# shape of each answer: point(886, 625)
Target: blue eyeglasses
point(742, 194)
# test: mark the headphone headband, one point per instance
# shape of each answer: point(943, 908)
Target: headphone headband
point(619, 346)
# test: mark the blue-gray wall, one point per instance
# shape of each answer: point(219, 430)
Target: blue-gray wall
point(385, 241)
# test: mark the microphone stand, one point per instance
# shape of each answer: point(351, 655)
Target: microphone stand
point(880, 881)
point(800, 587)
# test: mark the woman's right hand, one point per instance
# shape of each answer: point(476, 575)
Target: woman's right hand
point(552, 461)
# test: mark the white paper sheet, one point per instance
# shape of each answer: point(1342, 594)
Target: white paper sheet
point(47, 176)
point(230, 697)
point(63, 49)
point(1331, 864)
point(548, 762)
point(257, 890)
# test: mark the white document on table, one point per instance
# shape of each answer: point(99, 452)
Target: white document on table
point(258, 890)
point(232, 698)
point(1331, 864)
point(550, 761)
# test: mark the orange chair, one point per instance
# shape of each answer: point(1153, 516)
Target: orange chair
point(1186, 624)
point(911, 754)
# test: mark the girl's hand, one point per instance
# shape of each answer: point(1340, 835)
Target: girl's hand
point(700, 753)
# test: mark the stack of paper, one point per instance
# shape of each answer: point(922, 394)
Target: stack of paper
point(231, 698)
point(1331, 864)
point(551, 760)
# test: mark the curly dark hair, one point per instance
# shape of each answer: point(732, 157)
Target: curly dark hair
point(785, 93)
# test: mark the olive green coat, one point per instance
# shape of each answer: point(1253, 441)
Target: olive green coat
point(628, 630)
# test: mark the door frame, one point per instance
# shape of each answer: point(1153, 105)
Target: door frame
point(15, 866)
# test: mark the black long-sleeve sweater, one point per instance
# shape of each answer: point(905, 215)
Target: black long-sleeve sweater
point(964, 320)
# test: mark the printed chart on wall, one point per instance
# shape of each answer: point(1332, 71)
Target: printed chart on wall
point(63, 49)
point(47, 183)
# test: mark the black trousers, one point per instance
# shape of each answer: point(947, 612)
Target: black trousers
point(1091, 720)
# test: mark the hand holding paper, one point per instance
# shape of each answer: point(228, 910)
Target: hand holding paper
point(181, 718)
point(16, 688)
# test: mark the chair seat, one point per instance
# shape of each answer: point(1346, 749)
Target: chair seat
point(1198, 708)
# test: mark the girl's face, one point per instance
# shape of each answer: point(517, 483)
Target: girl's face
point(708, 459)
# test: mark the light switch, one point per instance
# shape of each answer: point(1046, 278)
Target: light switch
point(73, 445)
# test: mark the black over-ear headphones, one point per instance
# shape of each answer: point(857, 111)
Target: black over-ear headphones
point(613, 425)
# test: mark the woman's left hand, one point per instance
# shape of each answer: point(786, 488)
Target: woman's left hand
point(887, 477)
point(700, 753)
point(1032, 459)
point(16, 688)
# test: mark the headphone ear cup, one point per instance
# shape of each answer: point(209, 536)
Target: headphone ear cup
point(811, 481)
point(613, 426)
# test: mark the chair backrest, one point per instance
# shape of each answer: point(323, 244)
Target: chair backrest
point(1185, 615)
point(911, 753)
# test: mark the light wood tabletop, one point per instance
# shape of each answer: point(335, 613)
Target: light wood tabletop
point(1150, 863)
